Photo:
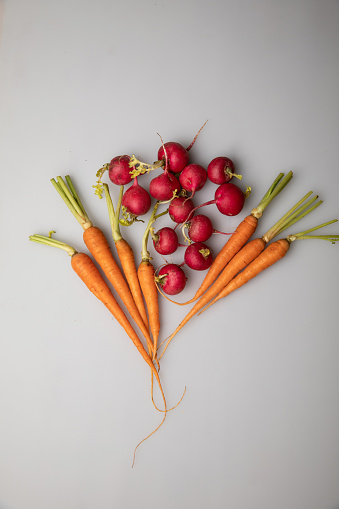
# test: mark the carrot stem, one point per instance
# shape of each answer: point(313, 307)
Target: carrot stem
point(297, 212)
point(114, 215)
point(330, 238)
point(72, 200)
point(76, 214)
point(304, 234)
point(75, 195)
point(278, 185)
point(297, 215)
point(48, 241)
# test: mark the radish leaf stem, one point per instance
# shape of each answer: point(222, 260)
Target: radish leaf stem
point(145, 255)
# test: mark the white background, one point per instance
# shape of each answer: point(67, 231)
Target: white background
point(82, 82)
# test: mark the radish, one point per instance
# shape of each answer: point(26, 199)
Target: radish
point(180, 209)
point(171, 156)
point(165, 241)
point(198, 256)
point(221, 170)
point(177, 156)
point(174, 155)
point(193, 178)
point(136, 201)
point(172, 279)
point(200, 229)
point(164, 187)
point(228, 198)
point(119, 170)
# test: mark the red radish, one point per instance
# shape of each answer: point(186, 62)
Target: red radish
point(193, 178)
point(200, 228)
point(198, 256)
point(165, 241)
point(228, 198)
point(180, 209)
point(172, 156)
point(136, 200)
point(172, 279)
point(221, 170)
point(119, 170)
point(164, 186)
point(177, 156)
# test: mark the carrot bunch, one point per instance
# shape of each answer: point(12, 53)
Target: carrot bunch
point(85, 268)
point(137, 286)
point(250, 259)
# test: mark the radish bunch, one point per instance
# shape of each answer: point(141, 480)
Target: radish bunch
point(176, 184)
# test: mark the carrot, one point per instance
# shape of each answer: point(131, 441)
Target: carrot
point(127, 260)
point(146, 275)
point(246, 255)
point(84, 267)
point(125, 253)
point(238, 239)
point(98, 246)
point(272, 254)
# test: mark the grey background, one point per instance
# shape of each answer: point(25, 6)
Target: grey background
point(258, 427)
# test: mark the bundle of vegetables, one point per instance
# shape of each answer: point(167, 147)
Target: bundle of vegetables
point(139, 284)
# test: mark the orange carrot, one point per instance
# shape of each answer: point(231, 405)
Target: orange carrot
point(272, 254)
point(146, 275)
point(98, 246)
point(238, 239)
point(84, 267)
point(126, 257)
point(241, 235)
point(125, 253)
point(245, 256)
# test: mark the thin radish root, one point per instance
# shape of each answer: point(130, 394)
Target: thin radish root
point(196, 136)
